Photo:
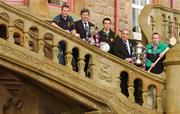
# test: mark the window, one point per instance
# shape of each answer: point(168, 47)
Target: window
point(59, 2)
point(137, 6)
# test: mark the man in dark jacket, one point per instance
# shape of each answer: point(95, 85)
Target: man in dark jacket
point(106, 34)
point(64, 20)
point(83, 26)
point(123, 47)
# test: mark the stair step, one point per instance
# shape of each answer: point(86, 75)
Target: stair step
point(99, 112)
point(9, 86)
point(6, 78)
point(12, 91)
point(11, 82)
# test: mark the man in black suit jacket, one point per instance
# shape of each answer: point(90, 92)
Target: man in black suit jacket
point(83, 25)
point(123, 47)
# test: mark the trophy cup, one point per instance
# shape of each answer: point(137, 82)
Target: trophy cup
point(92, 33)
point(139, 54)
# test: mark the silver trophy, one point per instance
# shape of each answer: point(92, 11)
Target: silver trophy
point(139, 54)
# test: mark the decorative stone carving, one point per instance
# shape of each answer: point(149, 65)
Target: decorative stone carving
point(104, 72)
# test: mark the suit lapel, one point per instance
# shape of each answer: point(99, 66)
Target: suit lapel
point(82, 26)
point(124, 47)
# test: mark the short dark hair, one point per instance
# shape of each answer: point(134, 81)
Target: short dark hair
point(64, 6)
point(155, 33)
point(125, 29)
point(85, 10)
point(106, 19)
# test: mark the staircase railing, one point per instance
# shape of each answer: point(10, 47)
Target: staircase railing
point(103, 69)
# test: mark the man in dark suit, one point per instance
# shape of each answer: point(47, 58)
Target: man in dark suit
point(83, 25)
point(123, 47)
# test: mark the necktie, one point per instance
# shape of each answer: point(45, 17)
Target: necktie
point(86, 28)
point(128, 48)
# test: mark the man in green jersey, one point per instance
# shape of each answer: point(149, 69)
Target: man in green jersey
point(153, 52)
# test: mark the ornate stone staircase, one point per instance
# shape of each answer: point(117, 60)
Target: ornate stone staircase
point(157, 18)
point(31, 46)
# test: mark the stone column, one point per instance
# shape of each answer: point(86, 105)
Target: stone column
point(11, 33)
point(159, 104)
point(41, 46)
point(81, 62)
point(131, 93)
point(26, 40)
point(172, 71)
point(55, 53)
point(68, 59)
point(145, 99)
point(91, 69)
point(131, 90)
point(81, 65)
point(165, 34)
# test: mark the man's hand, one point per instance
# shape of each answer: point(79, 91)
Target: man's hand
point(68, 31)
point(73, 32)
point(129, 60)
point(161, 55)
point(91, 41)
point(153, 65)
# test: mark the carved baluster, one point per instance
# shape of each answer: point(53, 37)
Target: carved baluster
point(41, 46)
point(152, 24)
point(11, 33)
point(68, 59)
point(131, 89)
point(90, 70)
point(131, 92)
point(81, 64)
point(178, 32)
point(55, 53)
point(171, 29)
point(26, 40)
point(159, 99)
point(145, 99)
point(118, 82)
point(159, 104)
point(165, 28)
point(175, 29)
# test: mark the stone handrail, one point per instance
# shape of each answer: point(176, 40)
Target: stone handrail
point(161, 19)
point(104, 69)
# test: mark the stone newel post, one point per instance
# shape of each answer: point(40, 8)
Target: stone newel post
point(172, 64)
